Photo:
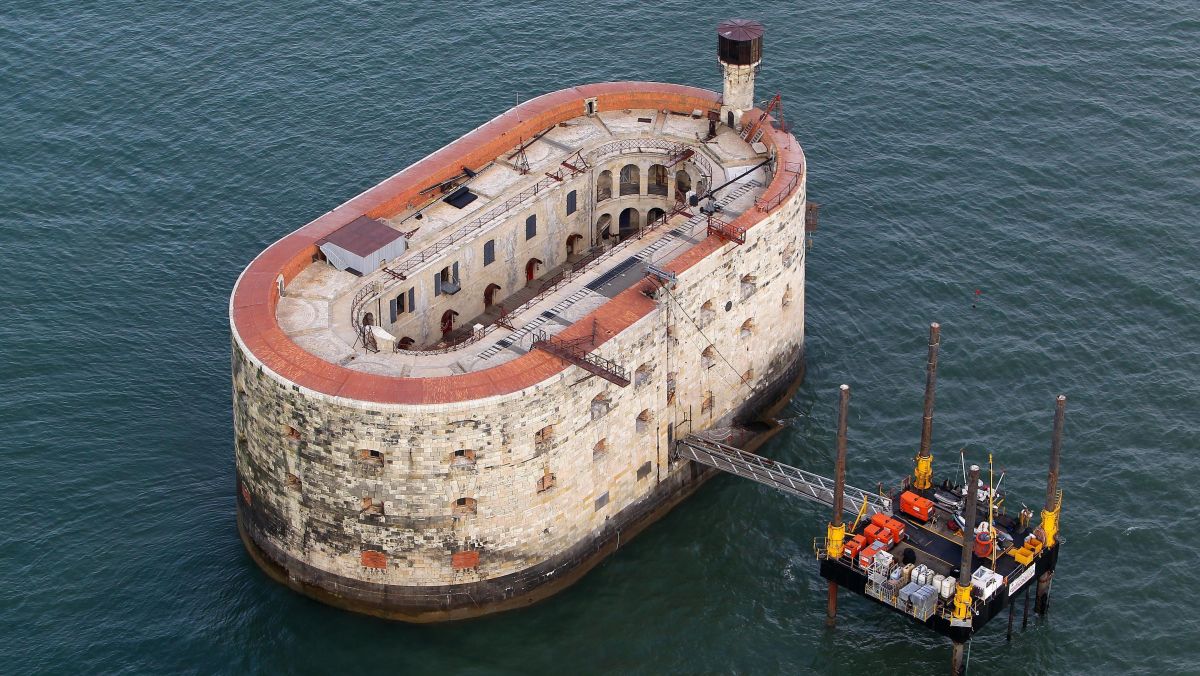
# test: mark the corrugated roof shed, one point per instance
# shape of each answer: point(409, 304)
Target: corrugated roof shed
point(363, 236)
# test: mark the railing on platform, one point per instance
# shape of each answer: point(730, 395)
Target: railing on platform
point(796, 170)
point(579, 351)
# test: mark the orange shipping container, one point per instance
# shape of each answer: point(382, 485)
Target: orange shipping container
point(915, 505)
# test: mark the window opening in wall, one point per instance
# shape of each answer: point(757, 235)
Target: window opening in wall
point(280, 285)
point(603, 227)
point(368, 319)
point(599, 449)
point(654, 215)
point(631, 180)
point(657, 180)
point(463, 457)
point(546, 482)
point(747, 329)
point(601, 501)
point(446, 281)
point(642, 375)
point(571, 203)
point(706, 403)
point(573, 245)
point(629, 223)
point(371, 456)
point(749, 286)
point(591, 107)
point(708, 358)
point(642, 425)
point(405, 343)
point(291, 432)
point(448, 322)
point(531, 269)
point(787, 296)
point(489, 252)
point(293, 482)
point(748, 376)
point(600, 405)
point(644, 470)
point(671, 388)
point(701, 186)
point(604, 186)
point(683, 181)
point(543, 439)
point(707, 313)
point(489, 295)
point(531, 227)
point(371, 506)
point(464, 507)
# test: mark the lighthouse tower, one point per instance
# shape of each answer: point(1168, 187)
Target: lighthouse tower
point(739, 49)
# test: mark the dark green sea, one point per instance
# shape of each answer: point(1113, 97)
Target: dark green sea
point(1044, 154)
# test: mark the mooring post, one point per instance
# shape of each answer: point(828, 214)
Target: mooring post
point(962, 594)
point(837, 531)
point(1050, 512)
point(1008, 637)
point(923, 472)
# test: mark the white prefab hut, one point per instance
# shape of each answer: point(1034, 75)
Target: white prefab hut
point(362, 245)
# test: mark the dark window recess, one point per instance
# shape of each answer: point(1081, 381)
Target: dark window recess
point(489, 252)
point(412, 300)
point(571, 203)
point(447, 281)
point(460, 198)
point(644, 470)
point(645, 119)
point(394, 306)
point(601, 501)
point(531, 227)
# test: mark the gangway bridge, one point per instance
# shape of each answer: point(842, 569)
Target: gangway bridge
point(790, 480)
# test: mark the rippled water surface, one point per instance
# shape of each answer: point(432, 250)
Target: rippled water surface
point(1042, 153)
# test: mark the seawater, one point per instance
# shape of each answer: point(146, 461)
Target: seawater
point(1043, 154)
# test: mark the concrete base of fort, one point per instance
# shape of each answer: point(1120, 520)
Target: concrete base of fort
point(519, 590)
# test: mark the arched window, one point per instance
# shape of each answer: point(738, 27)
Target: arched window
point(654, 215)
point(706, 403)
point(369, 456)
point(631, 180)
point(787, 296)
point(603, 227)
point(643, 421)
point(603, 186)
point(463, 457)
point(600, 405)
point(599, 449)
point(405, 343)
point(464, 507)
point(657, 180)
point(369, 319)
point(701, 186)
point(708, 358)
point(629, 223)
point(571, 203)
point(642, 375)
point(747, 329)
point(371, 506)
point(683, 181)
point(707, 313)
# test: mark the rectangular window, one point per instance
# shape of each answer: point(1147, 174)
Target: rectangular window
point(531, 227)
point(489, 252)
point(571, 203)
point(437, 284)
point(412, 300)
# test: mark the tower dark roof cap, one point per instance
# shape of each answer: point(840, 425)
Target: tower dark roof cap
point(740, 29)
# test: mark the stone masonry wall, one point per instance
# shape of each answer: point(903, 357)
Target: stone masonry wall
point(371, 492)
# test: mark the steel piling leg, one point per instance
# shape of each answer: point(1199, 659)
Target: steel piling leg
point(956, 659)
point(831, 609)
point(1025, 617)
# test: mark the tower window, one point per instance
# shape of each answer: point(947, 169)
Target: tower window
point(571, 203)
point(531, 227)
point(464, 507)
point(489, 252)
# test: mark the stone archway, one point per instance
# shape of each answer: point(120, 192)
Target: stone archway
point(604, 227)
point(489, 295)
point(573, 245)
point(448, 322)
point(629, 224)
point(531, 269)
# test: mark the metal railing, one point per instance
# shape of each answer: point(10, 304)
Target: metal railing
point(796, 169)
